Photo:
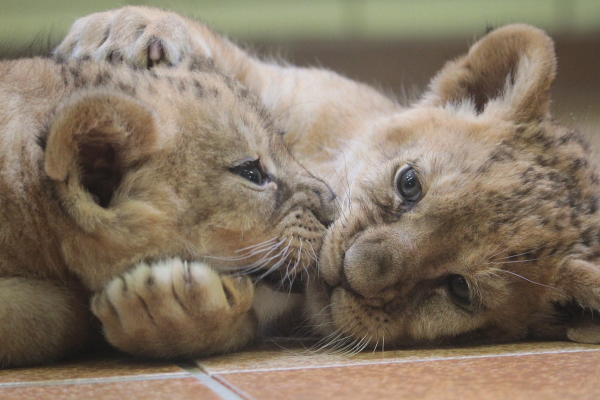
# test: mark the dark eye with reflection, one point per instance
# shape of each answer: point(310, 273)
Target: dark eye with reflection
point(459, 289)
point(252, 171)
point(408, 185)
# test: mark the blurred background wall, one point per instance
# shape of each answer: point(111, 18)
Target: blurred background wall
point(396, 45)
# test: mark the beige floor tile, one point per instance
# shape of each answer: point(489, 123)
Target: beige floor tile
point(550, 376)
point(168, 389)
point(112, 365)
point(286, 354)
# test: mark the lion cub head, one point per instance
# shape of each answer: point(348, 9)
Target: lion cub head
point(474, 217)
point(177, 163)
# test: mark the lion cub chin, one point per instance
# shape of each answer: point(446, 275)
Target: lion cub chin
point(105, 168)
point(475, 217)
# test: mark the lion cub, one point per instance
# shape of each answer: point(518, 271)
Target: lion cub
point(104, 168)
point(471, 216)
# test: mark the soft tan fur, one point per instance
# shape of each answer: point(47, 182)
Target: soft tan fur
point(104, 168)
point(503, 242)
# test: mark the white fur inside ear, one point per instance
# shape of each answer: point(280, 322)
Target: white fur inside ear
point(584, 334)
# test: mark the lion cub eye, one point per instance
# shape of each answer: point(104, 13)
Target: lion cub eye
point(252, 171)
point(459, 289)
point(408, 185)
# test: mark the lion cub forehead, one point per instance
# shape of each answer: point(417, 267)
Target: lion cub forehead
point(446, 129)
point(208, 111)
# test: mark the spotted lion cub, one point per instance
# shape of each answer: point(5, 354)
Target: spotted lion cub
point(470, 216)
point(104, 168)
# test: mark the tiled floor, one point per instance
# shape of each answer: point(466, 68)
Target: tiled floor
point(289, 370)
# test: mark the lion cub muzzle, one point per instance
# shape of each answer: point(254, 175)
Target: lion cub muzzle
point(307, 210)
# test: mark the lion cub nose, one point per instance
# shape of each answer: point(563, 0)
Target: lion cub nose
point(346, 285)
point(327, 211)
point(369, 266)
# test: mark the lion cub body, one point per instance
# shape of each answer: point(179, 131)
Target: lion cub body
point(470, 216)
point(103, 168)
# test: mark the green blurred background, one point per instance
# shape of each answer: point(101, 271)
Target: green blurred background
point(395, 45)
point(323, 19)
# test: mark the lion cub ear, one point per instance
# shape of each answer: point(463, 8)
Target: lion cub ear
point(93, 139)
point(509, 71)
point(579, 299)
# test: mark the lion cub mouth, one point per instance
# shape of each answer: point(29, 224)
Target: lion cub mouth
point(284, 262)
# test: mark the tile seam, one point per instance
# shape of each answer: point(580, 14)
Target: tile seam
point(216, 386)
point(85, 381)
point(210, 373)
point(242, 394)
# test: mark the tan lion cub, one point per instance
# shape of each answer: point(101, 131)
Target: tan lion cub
point(105, 167)
point(471, 216)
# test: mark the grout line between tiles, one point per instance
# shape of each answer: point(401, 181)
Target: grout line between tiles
point(397, 361)
point(216, 386)
point(85, 381)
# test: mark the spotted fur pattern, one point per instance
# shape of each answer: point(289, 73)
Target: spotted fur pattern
point(502, 242)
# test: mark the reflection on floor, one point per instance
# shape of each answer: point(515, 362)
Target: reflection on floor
point(288, 369)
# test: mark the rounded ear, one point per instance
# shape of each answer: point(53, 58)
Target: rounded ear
point(92, 140)
point(580, 283)
point(511, 67)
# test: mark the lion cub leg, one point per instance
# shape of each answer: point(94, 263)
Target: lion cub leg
point(174, 308)
point(41, 321)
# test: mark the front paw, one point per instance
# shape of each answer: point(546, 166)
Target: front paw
point(174, 308)
point(140, 37)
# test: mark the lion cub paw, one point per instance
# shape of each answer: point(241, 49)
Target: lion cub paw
point(140, 37)
point(174, 308)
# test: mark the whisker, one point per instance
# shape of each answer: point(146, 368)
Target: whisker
point(251, 254)
point(283, 254)
point(487, 256)
point(361, 345)
point(521, 254)
point(313, 253)
point(257, 245)
point(517, 261)
point(273, 268)
point(265, 259)
point(528, 280)
point(328, 343)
